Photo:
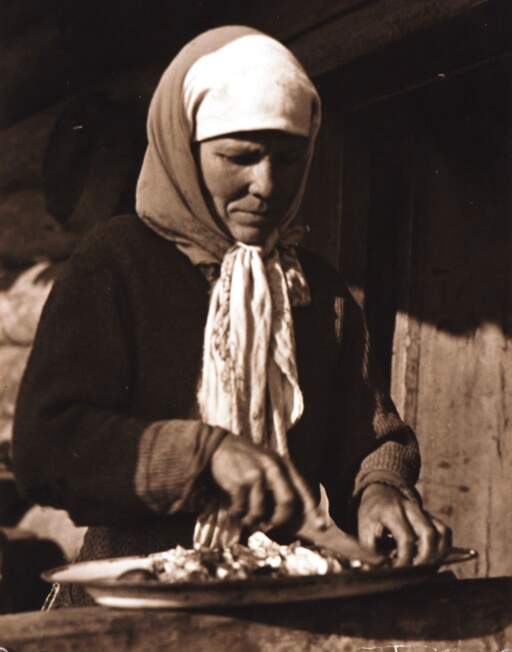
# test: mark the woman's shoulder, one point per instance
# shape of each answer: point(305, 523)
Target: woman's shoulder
point(123, 240)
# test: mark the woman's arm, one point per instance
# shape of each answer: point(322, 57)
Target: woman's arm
point(75, 445)
point(391, 452)
point(368, 442)
point(382, 449)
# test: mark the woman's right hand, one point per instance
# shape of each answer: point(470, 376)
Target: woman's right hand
point(264, 489)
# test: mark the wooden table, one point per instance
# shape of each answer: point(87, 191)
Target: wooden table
point(442, 616)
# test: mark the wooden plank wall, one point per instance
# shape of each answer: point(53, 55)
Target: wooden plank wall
point(322, 204)
point(452, 378)
point(426, 232)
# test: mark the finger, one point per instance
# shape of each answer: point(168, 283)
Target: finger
point(311, 510)
point(403, 534)
point(351, 548)
point(256, 505)
point(239, 502)
point(285, 501)
point(445, 537)
point(427, 536)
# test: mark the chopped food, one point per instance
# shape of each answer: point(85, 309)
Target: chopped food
point(261, 557)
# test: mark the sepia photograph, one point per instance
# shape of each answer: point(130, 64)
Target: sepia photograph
point(256, 325)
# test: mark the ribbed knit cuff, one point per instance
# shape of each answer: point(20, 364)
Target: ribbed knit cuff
point(388, 478)
point(398, 456)
point(173, 456)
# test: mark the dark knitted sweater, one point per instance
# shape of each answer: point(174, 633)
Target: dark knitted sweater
point(106, 424)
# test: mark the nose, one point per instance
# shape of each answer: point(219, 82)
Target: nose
point(262, 181)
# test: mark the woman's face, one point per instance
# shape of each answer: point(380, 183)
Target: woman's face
point(250, 179)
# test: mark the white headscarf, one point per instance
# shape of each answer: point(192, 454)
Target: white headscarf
point(229, 80)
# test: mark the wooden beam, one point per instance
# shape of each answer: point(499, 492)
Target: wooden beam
point(285, 19)
point(369, 27)
point(477, 37)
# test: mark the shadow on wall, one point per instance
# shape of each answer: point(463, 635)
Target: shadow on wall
point(427, 178)
point(464, 231)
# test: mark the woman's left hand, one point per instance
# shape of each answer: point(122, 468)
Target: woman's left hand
point(420, 537)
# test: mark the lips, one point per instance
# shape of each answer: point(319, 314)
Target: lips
point(263, 209)
point(251, 218)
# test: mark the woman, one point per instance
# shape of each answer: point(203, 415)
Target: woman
point(206, 284)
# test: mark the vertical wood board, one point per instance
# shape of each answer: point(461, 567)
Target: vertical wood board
point(456, 370)
point(321, 207)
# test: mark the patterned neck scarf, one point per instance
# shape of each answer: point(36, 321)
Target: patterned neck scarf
point(228, 80)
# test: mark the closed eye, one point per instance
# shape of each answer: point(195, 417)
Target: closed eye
point(247, 158)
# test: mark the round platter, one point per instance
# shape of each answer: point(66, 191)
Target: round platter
point(99, 578)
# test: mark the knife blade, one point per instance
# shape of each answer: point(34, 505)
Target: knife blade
point(340, 544)
point(319, 529)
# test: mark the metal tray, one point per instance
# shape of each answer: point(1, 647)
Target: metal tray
point(99, 578)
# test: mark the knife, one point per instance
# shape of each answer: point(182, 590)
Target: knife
point(339, 543)
point(320, 530)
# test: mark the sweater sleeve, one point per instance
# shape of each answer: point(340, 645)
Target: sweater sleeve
point(76, 445)
point(369, 442)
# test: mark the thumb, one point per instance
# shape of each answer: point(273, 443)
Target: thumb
point(370, 533)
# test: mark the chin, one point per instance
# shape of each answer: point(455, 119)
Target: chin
point(250, 235)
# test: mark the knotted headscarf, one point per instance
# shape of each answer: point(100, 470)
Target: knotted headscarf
point(229, 80)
